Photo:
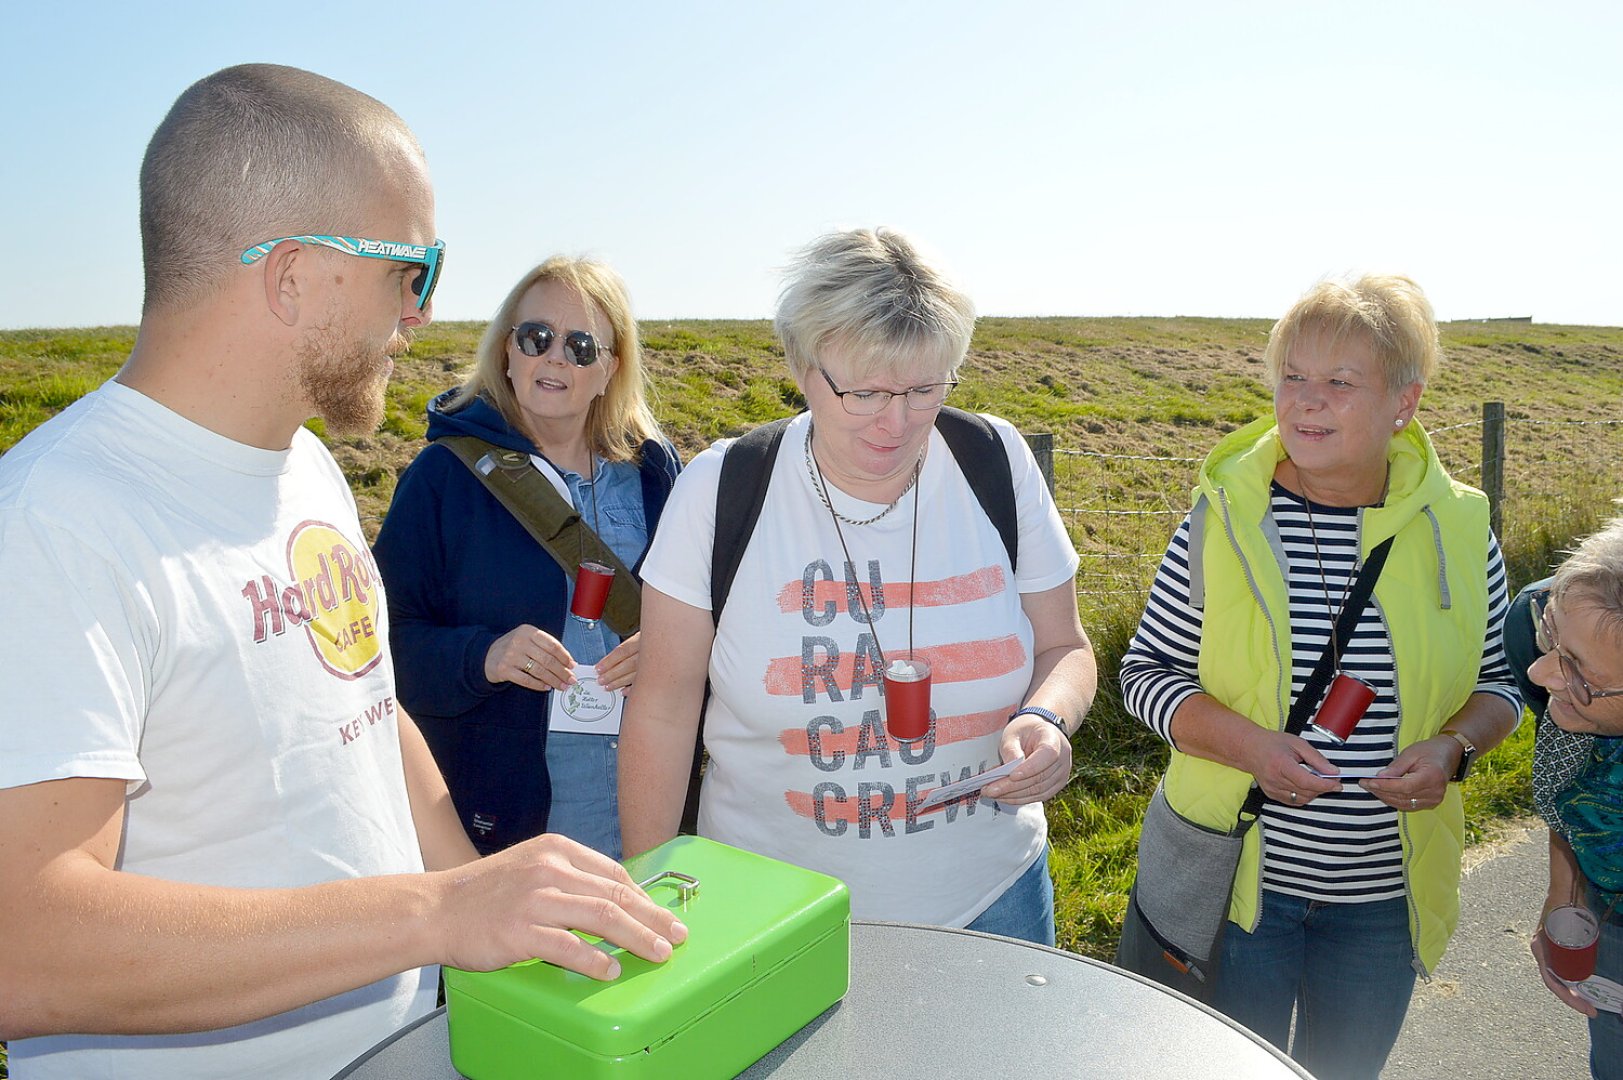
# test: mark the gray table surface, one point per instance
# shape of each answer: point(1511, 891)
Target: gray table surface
point(954, 1003)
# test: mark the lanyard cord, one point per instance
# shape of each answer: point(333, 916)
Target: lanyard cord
point(912, 564)
point(1335, 613)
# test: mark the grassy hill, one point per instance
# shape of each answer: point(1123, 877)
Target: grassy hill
point(1162, 389)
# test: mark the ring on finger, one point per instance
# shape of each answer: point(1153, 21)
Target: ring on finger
point(1414, 804)
point(529, 665)
point(1293, 797)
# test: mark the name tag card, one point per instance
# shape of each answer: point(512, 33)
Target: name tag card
point(586, 707)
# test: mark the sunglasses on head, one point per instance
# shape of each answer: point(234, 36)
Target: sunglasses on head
point(535, 338)
point(431, 258)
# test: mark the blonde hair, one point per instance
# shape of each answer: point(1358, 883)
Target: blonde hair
point(618, 422)
point(870, 292)
point(1388, 311)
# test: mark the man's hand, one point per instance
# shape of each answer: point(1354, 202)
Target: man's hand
point(523, 903)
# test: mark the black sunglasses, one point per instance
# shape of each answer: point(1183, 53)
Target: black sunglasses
point(535, 338)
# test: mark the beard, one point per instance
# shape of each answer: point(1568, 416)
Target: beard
point(344, 381)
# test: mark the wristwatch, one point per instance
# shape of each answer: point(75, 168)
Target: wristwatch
point(1467, 754)
point(1047, 714)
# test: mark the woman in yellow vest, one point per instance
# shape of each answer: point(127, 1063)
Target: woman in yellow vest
point(1348, 884)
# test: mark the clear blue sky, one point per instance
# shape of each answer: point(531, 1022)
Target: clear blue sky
point(1080, 157)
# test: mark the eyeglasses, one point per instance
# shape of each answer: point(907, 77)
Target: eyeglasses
point(1544, 637)
point(423, 282)
point(535, 338)
point(869, 402)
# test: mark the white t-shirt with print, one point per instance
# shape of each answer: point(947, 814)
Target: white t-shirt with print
point(800, 766)
point(203, 619)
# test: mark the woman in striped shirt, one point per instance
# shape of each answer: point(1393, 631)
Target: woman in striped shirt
point(1347, 886)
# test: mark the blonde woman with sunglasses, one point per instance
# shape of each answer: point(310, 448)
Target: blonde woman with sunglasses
point(479, 610)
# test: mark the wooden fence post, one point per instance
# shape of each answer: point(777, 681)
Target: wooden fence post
point(1042, 448)
point(1493, 461)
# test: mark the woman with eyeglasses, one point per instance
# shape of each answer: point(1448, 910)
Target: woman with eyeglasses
point(485, 650)
point(1574, 624)
point(873, 555)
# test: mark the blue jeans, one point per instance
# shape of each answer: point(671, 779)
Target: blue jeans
point(1025, 910)
point(1606, 1030)
point(585, 774)
point(1346, 970)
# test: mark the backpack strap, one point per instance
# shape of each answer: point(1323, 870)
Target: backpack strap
point(979, 451)
point(551, 520)
point(746, 471)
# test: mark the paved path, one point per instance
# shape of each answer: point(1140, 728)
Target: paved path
point(1485, 1015)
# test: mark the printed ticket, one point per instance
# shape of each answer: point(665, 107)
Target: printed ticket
point(959, 788)
point(1600, 992)
point(587, 707)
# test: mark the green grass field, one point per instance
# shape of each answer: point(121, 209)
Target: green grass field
point(1148, 388)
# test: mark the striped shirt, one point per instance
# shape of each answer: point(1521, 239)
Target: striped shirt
point(1343, 846)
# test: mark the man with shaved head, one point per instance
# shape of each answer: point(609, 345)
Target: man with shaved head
point(224, 849)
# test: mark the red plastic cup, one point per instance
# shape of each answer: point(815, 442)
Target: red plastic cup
point(1343, 707)
point(592, 583)
point(1572, 937)
point(907, 699)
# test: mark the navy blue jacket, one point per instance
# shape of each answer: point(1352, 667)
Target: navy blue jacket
point(460, 571)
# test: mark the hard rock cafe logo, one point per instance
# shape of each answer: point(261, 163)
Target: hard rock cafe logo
point(333, 596)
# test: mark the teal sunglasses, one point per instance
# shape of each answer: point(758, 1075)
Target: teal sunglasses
point(422, 285)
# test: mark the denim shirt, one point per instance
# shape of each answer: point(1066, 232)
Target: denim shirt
point(611, 506)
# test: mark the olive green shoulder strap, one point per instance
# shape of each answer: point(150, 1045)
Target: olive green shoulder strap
point(556, 525)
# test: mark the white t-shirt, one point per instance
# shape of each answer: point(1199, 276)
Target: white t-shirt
point(800, 766)
point(203, 619)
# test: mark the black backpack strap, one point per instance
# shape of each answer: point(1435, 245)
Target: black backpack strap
point(746, 470)
point(979, 451)
point(745, 473)
point(1317, 682)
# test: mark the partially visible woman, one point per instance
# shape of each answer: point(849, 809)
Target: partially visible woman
point(1344, 891)
point(478, 609)
point(871, 546)
point(1577, 620)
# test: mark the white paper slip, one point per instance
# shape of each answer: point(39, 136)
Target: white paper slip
point(1600, 992)
point(1351, 773)
point(586, 707)
point(959, 788)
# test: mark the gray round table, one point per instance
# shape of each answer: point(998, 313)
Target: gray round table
point(952, 1003)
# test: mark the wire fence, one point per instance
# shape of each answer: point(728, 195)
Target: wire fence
point(1550, 479)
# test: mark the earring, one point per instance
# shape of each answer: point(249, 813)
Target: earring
point(1398, 422)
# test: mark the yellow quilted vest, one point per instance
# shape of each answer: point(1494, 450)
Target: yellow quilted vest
point(1433, 600)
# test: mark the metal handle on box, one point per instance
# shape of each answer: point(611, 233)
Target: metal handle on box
point(686, 887)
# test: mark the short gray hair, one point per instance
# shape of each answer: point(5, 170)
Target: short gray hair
point(1595, 570)
point(249, 154)
point(871, 292)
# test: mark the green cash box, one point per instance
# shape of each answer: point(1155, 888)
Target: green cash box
point(768, 949)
